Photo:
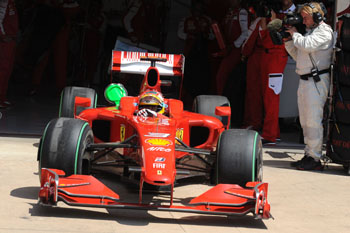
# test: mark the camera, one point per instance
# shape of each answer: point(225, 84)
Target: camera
point(278, 29)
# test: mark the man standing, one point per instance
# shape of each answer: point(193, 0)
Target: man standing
point(253, 50)
point(235, 31)
point(195, 29)
point(274, 61)
point(312, 53)
point(8, 35)
point(142, 22)
point(264, 75)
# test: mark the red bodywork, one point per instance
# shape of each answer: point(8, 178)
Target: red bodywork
point(155, 154)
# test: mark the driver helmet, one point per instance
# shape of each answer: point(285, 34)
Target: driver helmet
point(152, 100)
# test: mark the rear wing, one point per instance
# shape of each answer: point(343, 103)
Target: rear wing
point(130, 62)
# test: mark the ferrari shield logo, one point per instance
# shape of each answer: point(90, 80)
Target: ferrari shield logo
point(122, 132)
point(179, 134)
point(159, 172)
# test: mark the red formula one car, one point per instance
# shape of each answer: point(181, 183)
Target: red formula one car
point(152, 140)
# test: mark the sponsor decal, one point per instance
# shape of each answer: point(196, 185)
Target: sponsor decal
point(341, 143)
point(157, 135)
point(158, 142)
point(131, 61)
point(122, 132)
point(159, 165)
point(179, 134)
point(158, 149)
point(159, 172)
point(163, 121)
point(159, 159)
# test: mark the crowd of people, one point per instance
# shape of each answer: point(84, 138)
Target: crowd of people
point(228, 47)
point(266, 58)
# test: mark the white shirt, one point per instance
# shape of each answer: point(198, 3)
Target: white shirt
point(318, 42)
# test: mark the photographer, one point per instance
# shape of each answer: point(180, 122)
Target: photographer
point(312, 53)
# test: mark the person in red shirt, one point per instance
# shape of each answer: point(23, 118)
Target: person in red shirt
point(274, 61)
point(235, 32)
point(196, 31)
point(48, 38)
point(142, 22)
point(253, 50)
point(264, 77)
point(8, 35)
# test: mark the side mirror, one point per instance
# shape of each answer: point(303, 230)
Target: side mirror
point(81, 102)
point(224, 111)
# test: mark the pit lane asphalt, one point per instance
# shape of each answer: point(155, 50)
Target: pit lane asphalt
point(300, 201)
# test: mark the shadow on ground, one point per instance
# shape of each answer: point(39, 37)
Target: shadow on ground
point(134, 217)
point(144, 218)
point(283, 160)
point(26, 192)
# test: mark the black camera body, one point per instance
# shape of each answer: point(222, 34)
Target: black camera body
point(291, 19)
point(296, 20)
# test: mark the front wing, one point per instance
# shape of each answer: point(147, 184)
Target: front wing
point(86, 190)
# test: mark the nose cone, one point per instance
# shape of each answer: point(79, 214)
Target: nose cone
point(159, 161)
point(157, 141)
point(157, 177)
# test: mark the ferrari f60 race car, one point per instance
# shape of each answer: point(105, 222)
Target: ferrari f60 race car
point(156, 148)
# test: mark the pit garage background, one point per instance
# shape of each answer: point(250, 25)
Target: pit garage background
point(74, 39)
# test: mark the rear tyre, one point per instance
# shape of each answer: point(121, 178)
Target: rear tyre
point(68, 98)
point(239, 157)
point(206, 104)
point(63, 146)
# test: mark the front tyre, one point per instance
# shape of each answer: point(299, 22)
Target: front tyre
point(239, 157)
point(63, 146)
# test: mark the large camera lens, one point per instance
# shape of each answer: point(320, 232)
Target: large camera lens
point(293, 20)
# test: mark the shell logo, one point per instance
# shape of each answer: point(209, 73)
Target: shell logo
point(158, 142)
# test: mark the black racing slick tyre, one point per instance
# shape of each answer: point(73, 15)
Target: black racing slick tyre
point(239, 157)
point(68, 98)
point(63, 146)
point(206, 104)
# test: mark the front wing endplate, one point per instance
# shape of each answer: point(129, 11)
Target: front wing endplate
point(85, 190)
